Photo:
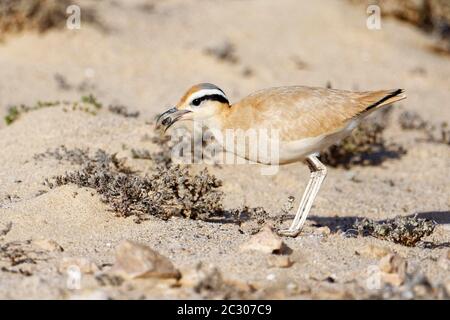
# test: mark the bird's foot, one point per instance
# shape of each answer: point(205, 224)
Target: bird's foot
point(288, 233)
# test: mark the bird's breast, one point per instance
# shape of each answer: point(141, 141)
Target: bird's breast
point(267, 147)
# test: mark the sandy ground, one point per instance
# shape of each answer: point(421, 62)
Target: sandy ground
point(145, 60)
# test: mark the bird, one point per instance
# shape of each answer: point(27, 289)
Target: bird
point(307, 120)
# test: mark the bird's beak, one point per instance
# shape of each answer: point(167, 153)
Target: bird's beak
point(168, 118)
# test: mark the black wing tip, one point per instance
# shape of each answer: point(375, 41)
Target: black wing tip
point(394, 93)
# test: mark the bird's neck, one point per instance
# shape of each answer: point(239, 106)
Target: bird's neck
point(220, 119)
point(218, 123)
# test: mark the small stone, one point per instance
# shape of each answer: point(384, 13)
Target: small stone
point(279, 261)
point(393, 279)
point(374, 251)
point(134, 260)
point(392, 263)
point(422, 291)
point(48, 245)
point(271, 277)
point(84, 265)
point(291, 286)
point(265, 241)
point(393, 268)
point(323, 231)
point(195, 277)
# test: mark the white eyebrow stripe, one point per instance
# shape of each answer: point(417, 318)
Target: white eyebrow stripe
point(206, 92)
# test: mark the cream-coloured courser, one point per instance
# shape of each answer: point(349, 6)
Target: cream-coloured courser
point(307, 120)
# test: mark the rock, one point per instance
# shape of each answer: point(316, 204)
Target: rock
point(134, 260)
point(193, 276)
point(374, 251)
point(265, 241)
point(323, 231)
point(393, 269)
point(394, 279)
point(84, 265)
point(392, 263)
point(48, 245)
point(279, 261)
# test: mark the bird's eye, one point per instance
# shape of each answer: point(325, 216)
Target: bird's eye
point(196, 102)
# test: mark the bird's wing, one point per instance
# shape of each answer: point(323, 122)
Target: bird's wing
point(300, 112)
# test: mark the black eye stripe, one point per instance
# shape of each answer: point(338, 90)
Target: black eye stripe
point(211, 97)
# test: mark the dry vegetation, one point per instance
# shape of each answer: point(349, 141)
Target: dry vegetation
point(171, 191)
point(87, 104)
point(38, 15)
point(407, 231)
point(436, 133)
point(431, 16)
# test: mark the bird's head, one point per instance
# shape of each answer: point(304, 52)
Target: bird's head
point(199, 103)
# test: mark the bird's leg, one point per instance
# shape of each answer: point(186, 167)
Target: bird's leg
point(301, 214)
point(318, 174)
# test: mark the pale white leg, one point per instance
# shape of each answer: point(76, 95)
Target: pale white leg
point(318, 174)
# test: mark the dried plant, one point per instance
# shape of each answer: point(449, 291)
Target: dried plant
point(141, 154)
point(437, 133)
point(89, 104)
point(171, 191)
point(40, 15)
point(407, 231)
point(163, 157)
point(75, 156)
point(123, 111)
point(14, 112)
point(431, 16)
point(223, 51)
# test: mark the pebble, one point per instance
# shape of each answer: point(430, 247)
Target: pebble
point(393, 269)
point(374, 251)
point(279, 261)
point(266, 241)
point(48, 245)
point(323, 231)
point(134, 260)
point(271, 277)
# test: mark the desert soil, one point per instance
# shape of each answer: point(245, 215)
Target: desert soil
point(145, 58)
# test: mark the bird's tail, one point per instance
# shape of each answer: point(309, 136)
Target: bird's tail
point(378, 99)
